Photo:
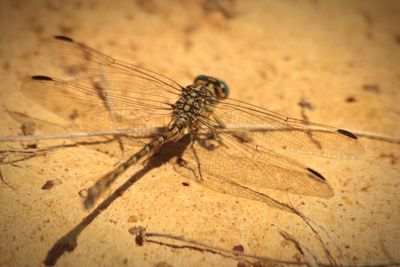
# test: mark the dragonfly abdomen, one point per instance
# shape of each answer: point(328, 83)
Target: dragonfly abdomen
point(110, 177)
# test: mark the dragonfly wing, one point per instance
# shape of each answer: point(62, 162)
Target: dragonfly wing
point(101, 92)
point(240, 169)
point(75, 58)
point(269, 130)
point(85, 106)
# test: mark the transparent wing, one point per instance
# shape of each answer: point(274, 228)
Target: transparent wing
point(234, 152)
point(103, 93)
point(242, 169)
point(85, 107)
point(268, 130)
point(75, 59)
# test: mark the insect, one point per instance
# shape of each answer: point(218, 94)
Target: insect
point(233, 146)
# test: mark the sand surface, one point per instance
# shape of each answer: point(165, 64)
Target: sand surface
point(340, 57)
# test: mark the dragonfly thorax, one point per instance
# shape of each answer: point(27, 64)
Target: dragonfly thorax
point(195, 104)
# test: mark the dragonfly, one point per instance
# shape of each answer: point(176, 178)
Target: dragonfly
point(233, 147)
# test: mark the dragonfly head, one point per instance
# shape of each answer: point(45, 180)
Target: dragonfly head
point(216, 86)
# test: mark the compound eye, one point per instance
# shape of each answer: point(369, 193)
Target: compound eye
point(225, 89)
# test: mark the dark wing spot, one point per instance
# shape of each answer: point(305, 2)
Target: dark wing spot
point(63, 38)
point(41, 78)
point(347, 133)
point(315, 173)
point(351, 99)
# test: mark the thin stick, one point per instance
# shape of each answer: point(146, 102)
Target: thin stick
point(75, 135)
point(4, 181)
point(209, 248)
point(377, 136)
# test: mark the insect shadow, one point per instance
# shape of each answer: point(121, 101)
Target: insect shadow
point(69, 241)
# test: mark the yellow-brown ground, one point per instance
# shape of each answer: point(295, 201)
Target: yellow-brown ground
point(341, 56)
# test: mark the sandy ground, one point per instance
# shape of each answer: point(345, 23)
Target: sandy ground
point(342, 57)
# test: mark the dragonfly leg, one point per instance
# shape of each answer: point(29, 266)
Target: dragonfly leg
point(121, 148)
point(184, 164)
point(192, 148)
